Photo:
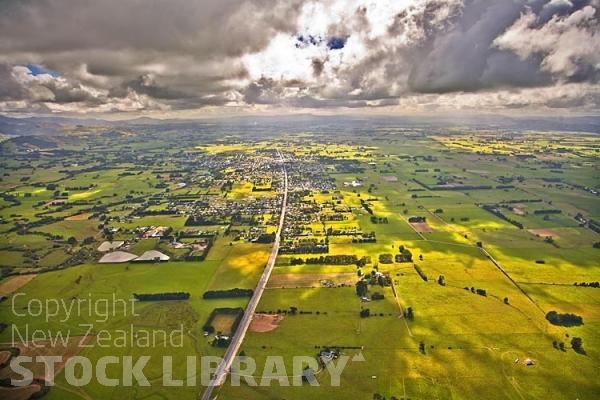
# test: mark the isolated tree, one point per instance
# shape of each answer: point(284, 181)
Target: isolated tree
point(577, 344)
point(442, 280)
point(72, 241)
point(361, 288)
point(422, 347)
point(506, 300)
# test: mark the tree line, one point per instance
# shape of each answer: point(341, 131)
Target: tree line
point(161, 296)
point(566, 319)
point(337, 259)
point(225, 294)
point(494, 210)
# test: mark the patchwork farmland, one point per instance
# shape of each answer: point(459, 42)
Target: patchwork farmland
point(434, 259)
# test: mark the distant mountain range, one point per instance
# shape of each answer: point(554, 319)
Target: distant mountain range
point(49, 125)
point(41, 125)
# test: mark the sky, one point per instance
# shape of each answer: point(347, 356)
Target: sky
point(187, 58)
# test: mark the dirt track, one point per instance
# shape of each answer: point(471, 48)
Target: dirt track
point(265, 322)
point(79, 217)
point(543, 232)
point(14, 283)
point(421, 227)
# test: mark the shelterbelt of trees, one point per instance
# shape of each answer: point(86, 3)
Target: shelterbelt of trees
point(161, 296)
point(230, 293)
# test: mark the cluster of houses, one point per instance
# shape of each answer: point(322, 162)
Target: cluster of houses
point(153, 231)
point(243, 216)
point(307, 173)
point(355, 183)
point(308, 220)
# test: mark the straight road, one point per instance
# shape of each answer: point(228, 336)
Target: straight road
point(224, 367)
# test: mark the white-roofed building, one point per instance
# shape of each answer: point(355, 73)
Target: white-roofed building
point(152, 255)
point(110, 246)
point(117, 257)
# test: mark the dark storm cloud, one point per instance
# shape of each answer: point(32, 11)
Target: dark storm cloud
point(571, 102)
point(507, 69)
point(263, 91)
point(271, 91)
point(156, 48)
point(212, 28)
point(146, 84)
point(566, 43)
point(463, 58)
point(10, 89)
point(20, 84)
point(487, 48)
point(134, 55)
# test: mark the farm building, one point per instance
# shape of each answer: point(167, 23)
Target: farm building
point(155, 231)
point(354, 183)
point(152, 255)
point(117, 257)
point(110, 246)
point(328, 355)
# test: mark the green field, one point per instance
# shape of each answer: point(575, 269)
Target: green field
point(351, 200)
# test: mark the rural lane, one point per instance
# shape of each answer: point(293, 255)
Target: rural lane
point(225, 365)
